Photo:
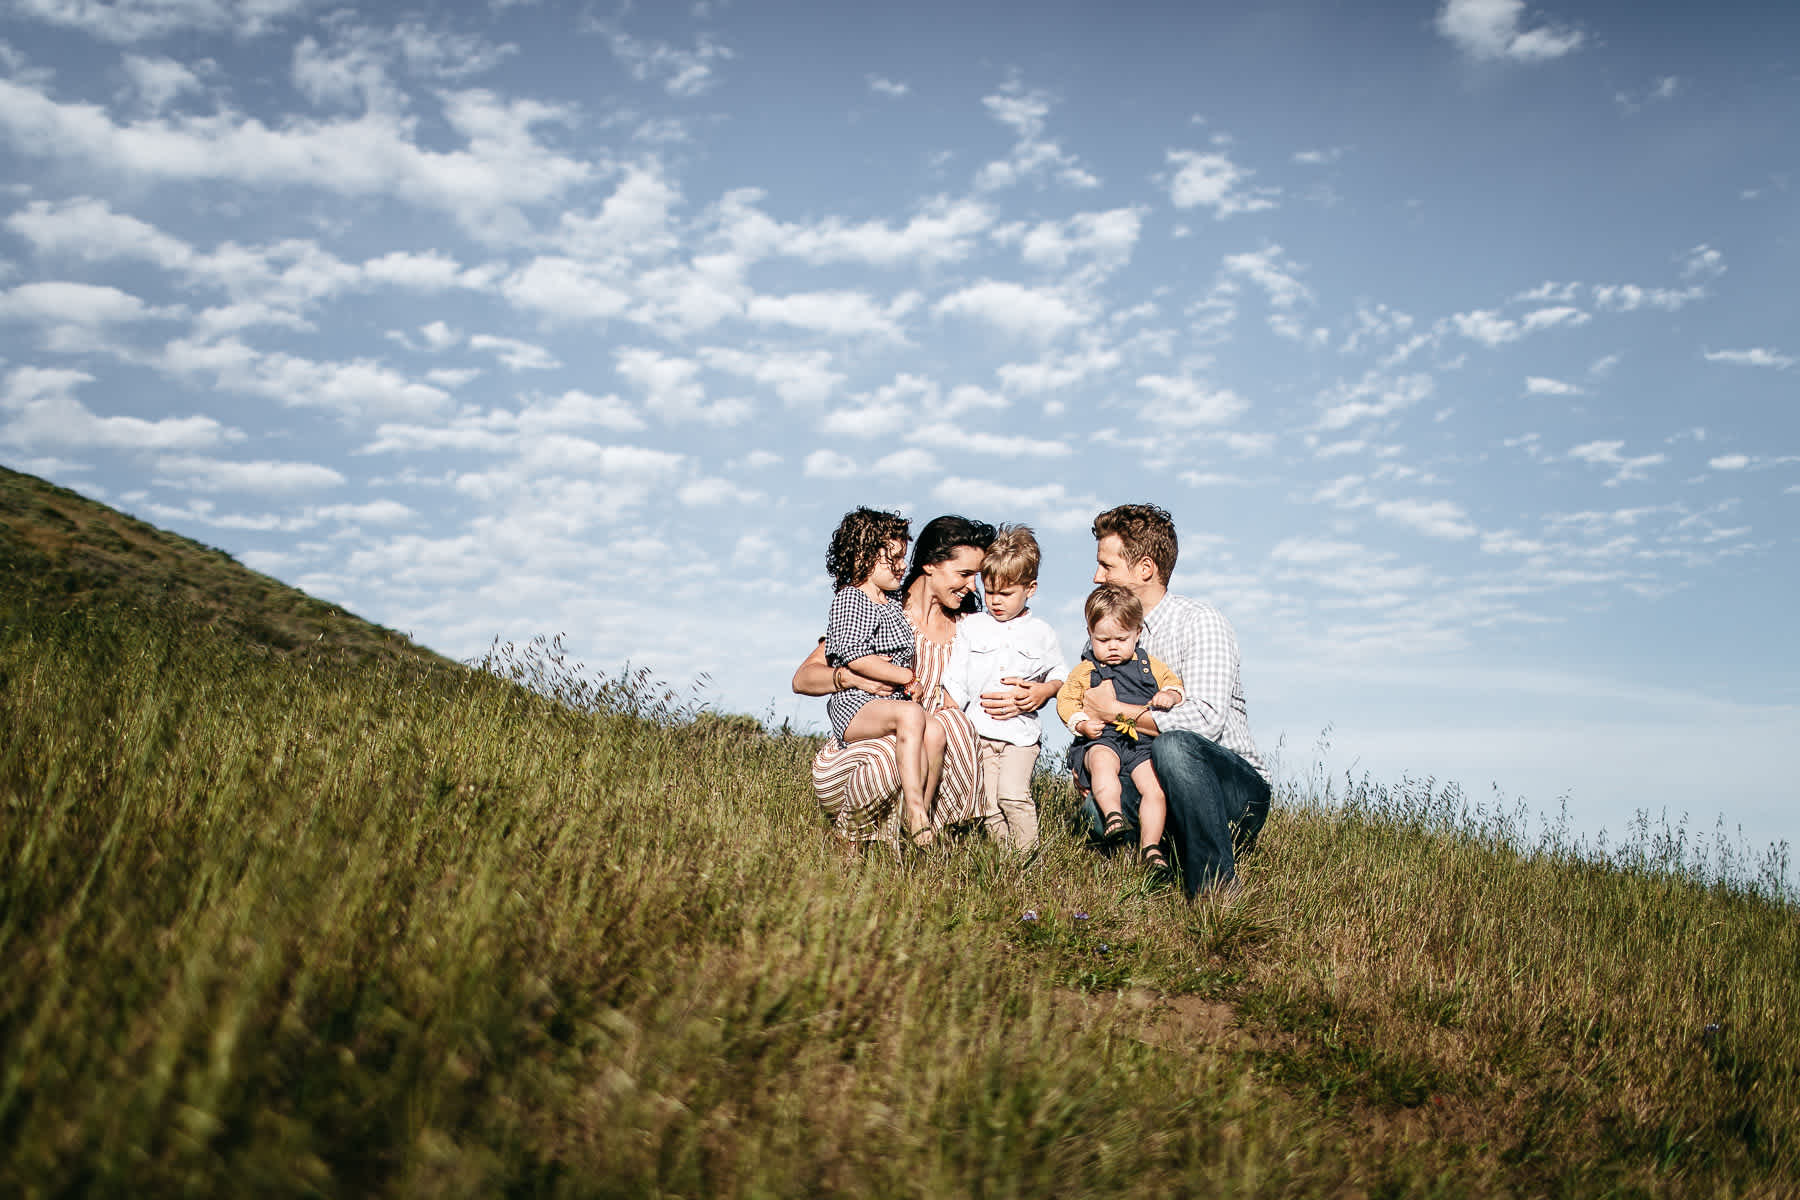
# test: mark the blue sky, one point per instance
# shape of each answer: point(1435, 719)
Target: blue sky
point(1460, 338)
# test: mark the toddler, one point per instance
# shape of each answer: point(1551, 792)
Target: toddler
point(1006, 645)
point(867, 633)
point(1103, 753)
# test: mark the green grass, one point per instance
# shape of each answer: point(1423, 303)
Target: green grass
point(334, 928)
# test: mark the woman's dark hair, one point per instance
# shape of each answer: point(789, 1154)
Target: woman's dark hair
point(862, 535)
point(940, 540)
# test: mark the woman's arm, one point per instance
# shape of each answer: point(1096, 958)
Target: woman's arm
point(816, 677)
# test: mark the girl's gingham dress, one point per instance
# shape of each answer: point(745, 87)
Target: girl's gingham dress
point(858, 627)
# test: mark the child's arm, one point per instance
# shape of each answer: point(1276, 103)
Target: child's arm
point(956, 673)
point(1069, 698)
point(1169, 691)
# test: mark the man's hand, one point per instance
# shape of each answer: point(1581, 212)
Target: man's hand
point(1165, 699)
point(1102, 703)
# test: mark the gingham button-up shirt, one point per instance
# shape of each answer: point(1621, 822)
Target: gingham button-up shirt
point(1199, 645)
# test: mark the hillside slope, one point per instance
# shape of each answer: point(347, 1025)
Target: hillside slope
point(60, 551)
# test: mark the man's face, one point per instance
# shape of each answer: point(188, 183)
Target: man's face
point(1109, 554)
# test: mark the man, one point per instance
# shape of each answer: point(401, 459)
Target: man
point(1217, 785)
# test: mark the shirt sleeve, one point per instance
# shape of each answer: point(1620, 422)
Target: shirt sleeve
point(1073, 690)
point(955, 680)
point(1059, 666)
point(1165, 677)
point(1201, 648)
point(850, 628)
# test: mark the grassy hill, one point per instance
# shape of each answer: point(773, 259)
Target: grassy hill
point(280, 925)
point(61, 552)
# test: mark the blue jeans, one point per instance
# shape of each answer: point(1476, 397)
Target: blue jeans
point(1217, 805)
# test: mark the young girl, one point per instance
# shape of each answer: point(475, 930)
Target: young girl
point(867, 633)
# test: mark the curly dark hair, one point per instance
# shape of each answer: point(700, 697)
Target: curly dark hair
point(862, 535)
point(940, 540)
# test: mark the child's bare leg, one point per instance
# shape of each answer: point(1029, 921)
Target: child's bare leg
point(906, 721)
point(1103, 783)
point(1153, 806)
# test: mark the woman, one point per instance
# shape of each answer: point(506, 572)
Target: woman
point(858, 786)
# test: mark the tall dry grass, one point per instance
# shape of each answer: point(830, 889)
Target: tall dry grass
point(333, 931)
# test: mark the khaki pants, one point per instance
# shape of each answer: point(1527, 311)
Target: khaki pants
point(1006, 779)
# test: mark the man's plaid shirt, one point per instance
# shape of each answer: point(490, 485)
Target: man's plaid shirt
point(1199, 645)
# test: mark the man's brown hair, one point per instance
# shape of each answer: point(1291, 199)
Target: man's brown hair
point(1144, 531)
point(1119, 603)
point(1012, 558)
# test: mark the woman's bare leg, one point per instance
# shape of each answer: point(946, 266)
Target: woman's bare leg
point(935, 742)
point(906, 721)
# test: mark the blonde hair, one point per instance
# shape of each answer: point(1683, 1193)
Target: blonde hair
point(1111, 600)
point(1012, 558)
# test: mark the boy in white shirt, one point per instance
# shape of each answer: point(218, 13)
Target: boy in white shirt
point(1006, 645)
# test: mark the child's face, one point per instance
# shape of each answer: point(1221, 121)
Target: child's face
point(1009, 599)
point(1112, 642)
point(890, 566)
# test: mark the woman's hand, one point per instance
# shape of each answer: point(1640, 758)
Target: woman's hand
point(1016, 696)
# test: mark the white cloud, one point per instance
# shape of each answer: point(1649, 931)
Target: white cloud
point(887, 87)
point(219, 475)
point(906, 463)
point(1056, 371)
point(706, 493)
point(1607, 453)
point(500, 169)
point(1318, 158)
point(517, 355)
point(990, 445)
point(44, 411)
point(567, 289)
point(829, 464)
point(360, 388)
point(684, 73)
point(802, 378)
point(72, 303)
point(1434, 518)
point(1373, 396)
point(673, 391)
point(944, 230)
point(1278, 278)
point(1106, 238)
point(1539, 385)
point(838, 313)
point(1492, 29)
point(1041, 313)
point(1049, 503)
point(1212, 180)
point(1181, 403)
point(1729, 462)
point(1628, 297)
point(1492, 330)
point(1033, 155)
point(159, 80)
point(1756, 356)
point(141, 20)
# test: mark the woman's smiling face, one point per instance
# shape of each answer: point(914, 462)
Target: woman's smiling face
point(948, 582)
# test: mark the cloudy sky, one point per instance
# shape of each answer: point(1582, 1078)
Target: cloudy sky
point(1460, 336)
